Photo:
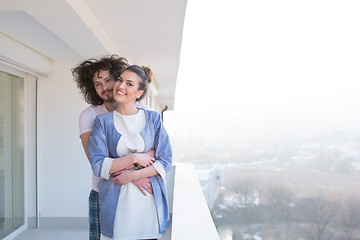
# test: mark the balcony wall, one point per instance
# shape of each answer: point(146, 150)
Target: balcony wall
point(191, 218)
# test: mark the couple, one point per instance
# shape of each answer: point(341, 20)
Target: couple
point(128, 148)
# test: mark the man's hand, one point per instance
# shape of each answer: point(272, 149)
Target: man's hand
point(124, 177)
point(144, 185)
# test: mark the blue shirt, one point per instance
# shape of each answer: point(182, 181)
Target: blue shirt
point(103, 143)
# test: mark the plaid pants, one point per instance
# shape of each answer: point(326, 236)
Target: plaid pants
point(94, 216)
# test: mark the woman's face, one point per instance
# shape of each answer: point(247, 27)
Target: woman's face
point(126, 87)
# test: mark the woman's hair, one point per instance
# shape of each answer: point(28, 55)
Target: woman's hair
point(146, 77)
point(86, 70)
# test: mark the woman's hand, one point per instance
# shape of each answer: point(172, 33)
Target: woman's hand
point(143, 159)
point(151, 152)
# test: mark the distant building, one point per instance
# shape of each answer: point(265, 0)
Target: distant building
point(210, 178)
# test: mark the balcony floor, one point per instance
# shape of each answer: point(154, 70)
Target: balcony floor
point(53, 234)
point(61, 234)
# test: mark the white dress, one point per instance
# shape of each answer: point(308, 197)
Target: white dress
point(136, 214)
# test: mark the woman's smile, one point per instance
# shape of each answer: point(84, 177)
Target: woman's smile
point(121, 93)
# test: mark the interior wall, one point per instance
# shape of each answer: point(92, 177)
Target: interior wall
point(64, 172)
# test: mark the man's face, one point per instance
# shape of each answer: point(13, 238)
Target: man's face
point(104, 83)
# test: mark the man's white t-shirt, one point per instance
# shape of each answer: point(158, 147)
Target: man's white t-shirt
point(86, 124)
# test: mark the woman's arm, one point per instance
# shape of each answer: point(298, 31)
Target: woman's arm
point(122, 163)
point(143, 184)
point(118, 163)
point(103, 165)
point(127, 176)
point(163, 154)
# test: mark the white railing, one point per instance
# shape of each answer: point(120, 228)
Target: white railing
point(191, 218)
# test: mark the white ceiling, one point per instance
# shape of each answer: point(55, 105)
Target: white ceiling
point(146, 32)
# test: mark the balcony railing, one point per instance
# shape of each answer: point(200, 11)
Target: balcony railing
point(191, 218)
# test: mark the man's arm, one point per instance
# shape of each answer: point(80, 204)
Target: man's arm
point(85, 137)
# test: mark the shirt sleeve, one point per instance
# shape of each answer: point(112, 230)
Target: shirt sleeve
point(106, 168)
point(160, 169)
point(86, 121)
point(163, 152)
point(98, 151)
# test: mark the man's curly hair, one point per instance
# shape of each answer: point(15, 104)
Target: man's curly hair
point(85, 71)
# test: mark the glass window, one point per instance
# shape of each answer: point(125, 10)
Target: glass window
point(11, 153)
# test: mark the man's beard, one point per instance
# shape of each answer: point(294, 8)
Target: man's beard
point(108, 99)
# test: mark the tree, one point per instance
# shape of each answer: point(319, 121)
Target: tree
point(247, 191)
point(349, 219)
point(320, 213)
point(281, 204)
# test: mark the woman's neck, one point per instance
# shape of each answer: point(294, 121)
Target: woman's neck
point(127, 108)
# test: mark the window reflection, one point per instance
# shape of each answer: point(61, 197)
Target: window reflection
point(11, 153)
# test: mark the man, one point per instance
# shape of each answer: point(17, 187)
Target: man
point(95, 79)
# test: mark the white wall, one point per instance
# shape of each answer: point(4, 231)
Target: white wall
point(64, 172)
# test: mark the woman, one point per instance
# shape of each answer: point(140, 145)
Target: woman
point(126, 134)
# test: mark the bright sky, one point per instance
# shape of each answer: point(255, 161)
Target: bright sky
point(266, 69)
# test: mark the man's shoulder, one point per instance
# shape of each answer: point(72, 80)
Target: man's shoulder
point(105, 117)
point(89, 114)
point(87, 117)
point(94, 110)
